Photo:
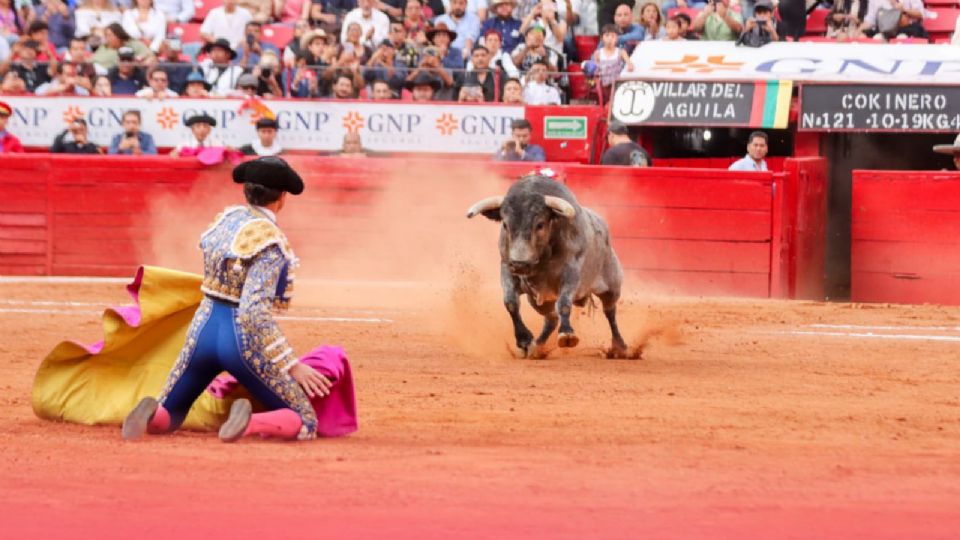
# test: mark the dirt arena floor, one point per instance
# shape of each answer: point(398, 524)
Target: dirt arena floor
point(744, 419)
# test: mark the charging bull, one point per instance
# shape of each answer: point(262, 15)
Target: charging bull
point(556, 252)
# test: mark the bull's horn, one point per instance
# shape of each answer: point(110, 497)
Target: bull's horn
point(560, 206)
point(490, 203)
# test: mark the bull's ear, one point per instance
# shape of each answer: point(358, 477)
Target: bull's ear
point(560, 206)
point(489, 207)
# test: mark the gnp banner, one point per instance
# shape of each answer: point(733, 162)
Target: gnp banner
point(304, 125)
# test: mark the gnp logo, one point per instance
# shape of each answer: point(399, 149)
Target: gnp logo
point(693, 63)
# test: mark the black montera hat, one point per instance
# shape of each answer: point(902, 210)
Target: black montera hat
point(271, 172)
point(202, 117)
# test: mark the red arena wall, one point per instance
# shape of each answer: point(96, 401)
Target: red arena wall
point(690, 231)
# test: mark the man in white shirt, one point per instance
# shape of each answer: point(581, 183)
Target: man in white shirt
point(158, 82)
point(176, 11)
point(756, 151)
point(226, 22)
point(218, 71)
point(537, 91)
point(374, 23)
point(464, 23)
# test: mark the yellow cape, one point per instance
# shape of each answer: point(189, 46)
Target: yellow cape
point(74, 385)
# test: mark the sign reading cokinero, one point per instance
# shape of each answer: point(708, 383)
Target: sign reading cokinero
point(393, 126)
point(859, 107)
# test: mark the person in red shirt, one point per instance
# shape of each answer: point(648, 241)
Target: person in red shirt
point(8, 143)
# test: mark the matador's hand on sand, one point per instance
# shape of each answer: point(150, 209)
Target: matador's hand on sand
point(312, 381)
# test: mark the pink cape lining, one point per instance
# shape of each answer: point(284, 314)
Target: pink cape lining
point(211, 155)
point(336, 413)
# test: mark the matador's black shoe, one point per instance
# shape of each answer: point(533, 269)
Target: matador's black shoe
point(236, 424)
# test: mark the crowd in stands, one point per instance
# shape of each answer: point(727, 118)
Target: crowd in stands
point(513, 51)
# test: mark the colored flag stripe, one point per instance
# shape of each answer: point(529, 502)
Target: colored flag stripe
point(756, 111)
point(784, 96)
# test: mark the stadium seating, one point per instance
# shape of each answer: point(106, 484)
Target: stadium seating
point(202, 7)
point(187, 32)
point(277, 34)
point(586, 45)
point(817, 22)
point(943, 25)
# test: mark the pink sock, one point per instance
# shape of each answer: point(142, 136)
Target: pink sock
point(282, 423)
point(160, 423)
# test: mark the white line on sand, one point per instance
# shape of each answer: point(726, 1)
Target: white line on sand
point(51, 311)
point(866, 335)
point(890, 327)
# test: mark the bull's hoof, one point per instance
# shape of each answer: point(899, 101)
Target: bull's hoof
point(532, 351)
point(566, 340)
point(622, 353)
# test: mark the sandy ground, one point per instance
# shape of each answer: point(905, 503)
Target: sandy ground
point(744, 419)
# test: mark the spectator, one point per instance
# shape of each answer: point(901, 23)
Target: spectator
point(39, 31)
point(64, 84)
point(33, 73)
point(672, 30)
point(217, 68)
point(87, 71)
point(651, 21)
point(352, 146)
point(294, 46)
point(177, 66)
point(424, 86)
point(13, 85)
point(374, 24)
point(317, 49)
point(323, 15)
point(667, 5)
point(756, 151)
point(253, 46)
point(544, 16)
point(247, 85)
point(93, 16)
point(441, 37)
point(909, 24)
point(302, 82)
point(383, 66)
point(381, 90)
point(127, 78)
point(347, 64)
point(430, 65)
point(196, 86)
point(201, 136)
point(609, 60)
point(949, 149)
point(504, 24)
point(533, 50)
point(175, 11)
point(145, 22)
point(159, 85)
point(9, 144)
point(292, 11)
point(843, 22)
point(512, 92)
point(415, 22)
point(470, 93)
point(761, 28)
point(587, 23)
point(4, 50)
point(115, 38)
point(343, 87)
point(685, 27)
point(266, 142)
point(267, 75)
point(466, 25)
point(393, 8)
point(499, 59)
point(261, 10)
point(537, 91)
point(480, 75)
point(102, 86)
point(630, 33)
point(717, 22)
point(226, 22)
point(132, 142)
point(518, 148)
point(621, 149)
point(355, 44)
point(11, 24)
point(406, 54)
point(74, 140)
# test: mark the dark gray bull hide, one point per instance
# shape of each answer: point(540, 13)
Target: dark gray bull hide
point(556, 252)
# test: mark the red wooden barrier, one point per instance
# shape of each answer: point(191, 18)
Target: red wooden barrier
point(904, 237)
point(691, 231)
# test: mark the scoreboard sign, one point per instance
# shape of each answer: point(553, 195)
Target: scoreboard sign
point(895, 108)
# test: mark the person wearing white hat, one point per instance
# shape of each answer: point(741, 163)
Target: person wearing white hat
point(950, 149)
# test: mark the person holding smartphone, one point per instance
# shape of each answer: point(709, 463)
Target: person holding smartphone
point(74, 140)
point(518, 148)
point(132, 142)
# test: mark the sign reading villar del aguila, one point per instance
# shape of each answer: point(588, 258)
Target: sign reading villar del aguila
point(859, 107)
